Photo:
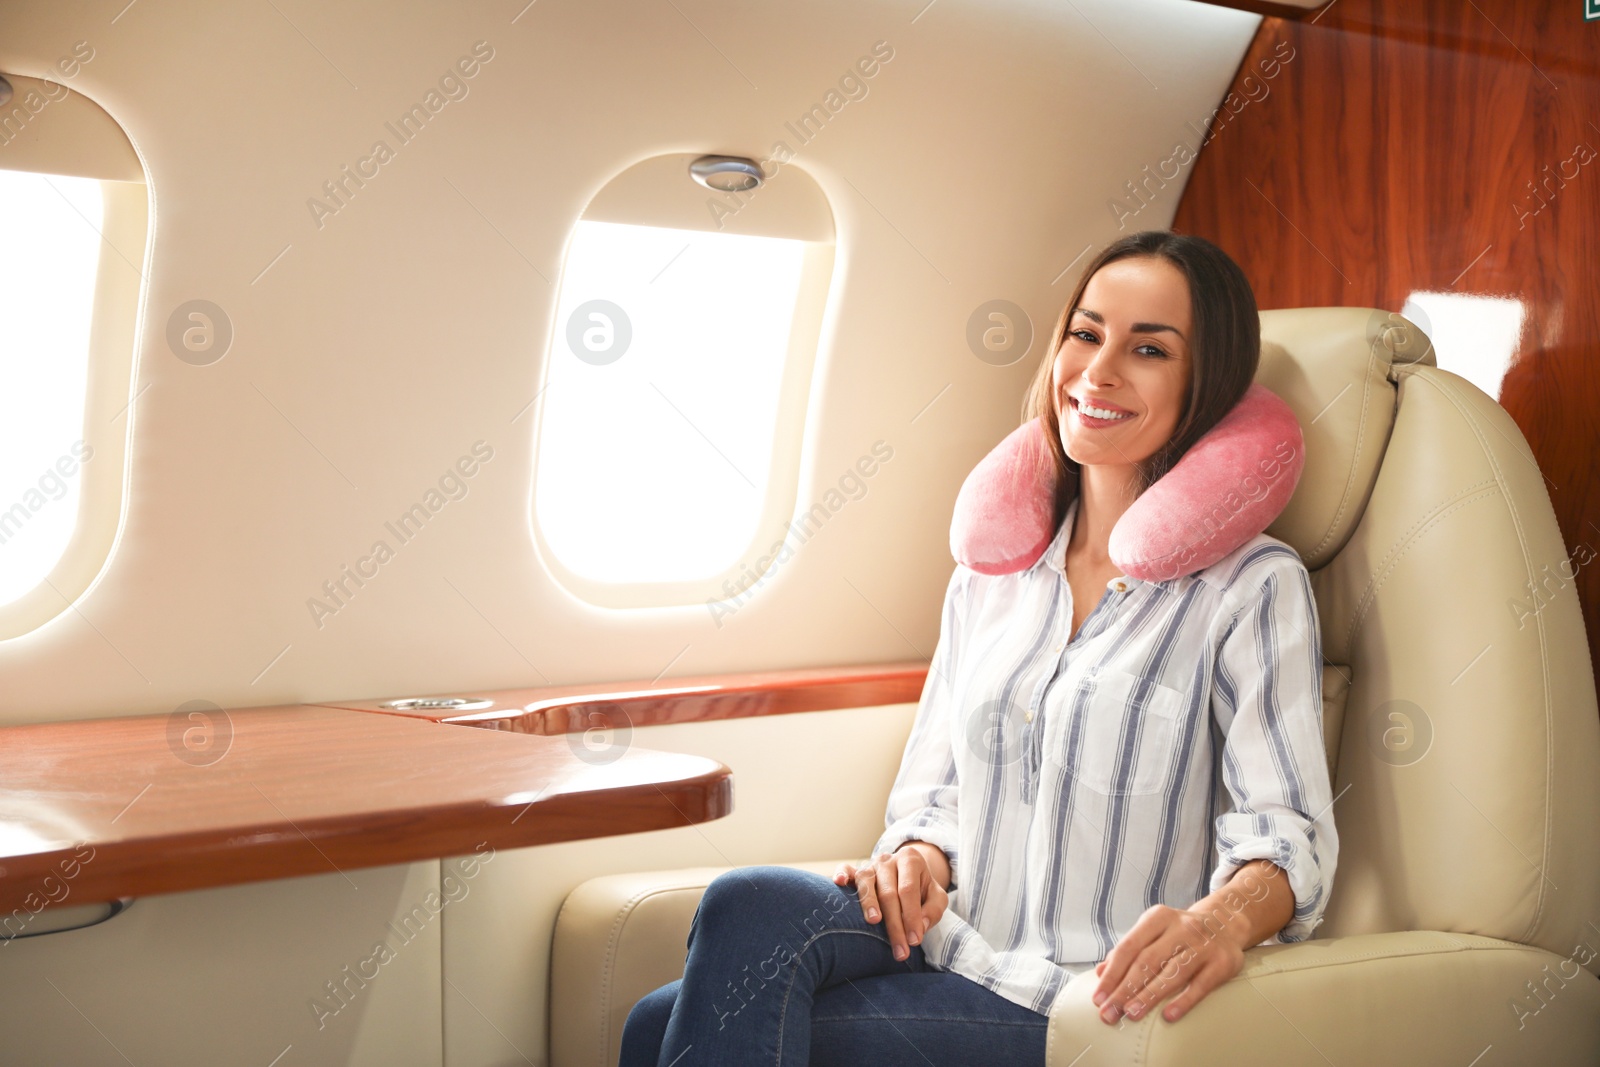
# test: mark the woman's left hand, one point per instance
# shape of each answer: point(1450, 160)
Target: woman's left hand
point(1169, 950)
point(1194, 950)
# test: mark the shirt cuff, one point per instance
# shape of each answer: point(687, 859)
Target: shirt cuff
point(1305, 879)
point(942, 837)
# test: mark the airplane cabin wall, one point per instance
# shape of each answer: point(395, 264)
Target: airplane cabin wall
point(375, 344)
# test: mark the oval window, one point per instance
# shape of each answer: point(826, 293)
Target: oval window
point(669, 429)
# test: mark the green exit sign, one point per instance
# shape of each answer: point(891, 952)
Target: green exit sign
point(1591, 9)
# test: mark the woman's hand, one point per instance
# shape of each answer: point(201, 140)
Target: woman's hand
point(1194, 950)
point(904, 887)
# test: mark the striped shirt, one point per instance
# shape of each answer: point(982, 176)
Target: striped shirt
point(1073, 785)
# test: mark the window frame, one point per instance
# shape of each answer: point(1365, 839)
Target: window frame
point(658, 191)
point(75, 137)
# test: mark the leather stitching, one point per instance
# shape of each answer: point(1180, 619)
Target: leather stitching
point(613, 938)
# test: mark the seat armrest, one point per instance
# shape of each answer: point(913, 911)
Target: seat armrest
point(617, 937)
point(1416, 997)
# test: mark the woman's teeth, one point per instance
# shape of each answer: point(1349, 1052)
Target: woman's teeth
point(1101, 413)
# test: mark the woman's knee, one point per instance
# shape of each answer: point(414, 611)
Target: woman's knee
point(768, 890)
point(647, 1021)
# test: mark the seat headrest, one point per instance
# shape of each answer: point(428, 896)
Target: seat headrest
point(1334, 367)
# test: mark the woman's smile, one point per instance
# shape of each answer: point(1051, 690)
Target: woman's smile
point(1095, 416)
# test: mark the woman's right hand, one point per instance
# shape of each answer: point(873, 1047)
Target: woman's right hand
point(903, 889)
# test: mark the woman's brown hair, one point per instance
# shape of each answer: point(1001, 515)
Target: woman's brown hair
point(1224, 349)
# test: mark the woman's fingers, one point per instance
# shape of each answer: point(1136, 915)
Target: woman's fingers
point(886, 890)
point(866, 892)
point(934, 907)
point(1160, 970)
point(1196, 991)
point(890, 886)
point(909, 889)
point(1134, 958)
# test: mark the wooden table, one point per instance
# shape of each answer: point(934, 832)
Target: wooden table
point(99, 809)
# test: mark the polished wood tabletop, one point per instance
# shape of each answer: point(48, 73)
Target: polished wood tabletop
point(570, 709)
point(94, 810)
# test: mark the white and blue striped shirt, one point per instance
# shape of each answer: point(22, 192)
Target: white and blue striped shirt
point(1074, 785)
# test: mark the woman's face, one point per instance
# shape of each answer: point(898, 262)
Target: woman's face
point(1126, 350)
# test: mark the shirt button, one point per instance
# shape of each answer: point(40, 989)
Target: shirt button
point(1028, 715)
point(1121, 587)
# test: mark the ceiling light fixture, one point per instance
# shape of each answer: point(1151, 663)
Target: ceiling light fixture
point(727, 174)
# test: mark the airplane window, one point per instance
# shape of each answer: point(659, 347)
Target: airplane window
point(679, 364)
point(664, 378)
point(47, 288)
point(75, 226)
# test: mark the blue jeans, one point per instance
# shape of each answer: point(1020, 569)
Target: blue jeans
point(784, 969)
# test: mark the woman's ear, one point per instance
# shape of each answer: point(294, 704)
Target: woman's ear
point(1228, 488)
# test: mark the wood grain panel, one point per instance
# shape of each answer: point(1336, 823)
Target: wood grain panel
point(1442, 147)
point(94, 810)
point(1267, 7)
point(570, 709)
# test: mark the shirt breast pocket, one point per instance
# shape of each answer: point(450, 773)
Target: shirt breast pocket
point(1116, 733)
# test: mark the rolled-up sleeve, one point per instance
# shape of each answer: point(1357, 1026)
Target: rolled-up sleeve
point(922, 801)
point(1268, 702)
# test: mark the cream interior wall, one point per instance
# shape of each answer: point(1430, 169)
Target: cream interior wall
point(233, 976)
point(372, 350)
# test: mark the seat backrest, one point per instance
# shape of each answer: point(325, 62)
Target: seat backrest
point(1467, 754)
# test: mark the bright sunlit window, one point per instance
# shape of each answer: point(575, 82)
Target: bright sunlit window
point(664, 379)
point(1473, 336)
point(50, 225)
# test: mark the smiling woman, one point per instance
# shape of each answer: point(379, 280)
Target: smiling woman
point(1180, 364)
point(1051, 811)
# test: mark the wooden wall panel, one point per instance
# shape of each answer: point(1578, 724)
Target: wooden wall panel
point(1439, 146)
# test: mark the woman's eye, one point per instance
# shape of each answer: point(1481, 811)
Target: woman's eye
point(1088, 337)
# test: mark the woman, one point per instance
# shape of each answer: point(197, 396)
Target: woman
point(1102, 773)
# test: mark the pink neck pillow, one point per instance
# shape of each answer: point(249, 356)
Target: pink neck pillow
point(1226, 489)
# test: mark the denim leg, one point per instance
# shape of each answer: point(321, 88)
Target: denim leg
point(931, 1019)
point(646, 1025)
point(764, 941)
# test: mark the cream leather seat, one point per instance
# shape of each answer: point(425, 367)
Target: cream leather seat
point(1462, 726)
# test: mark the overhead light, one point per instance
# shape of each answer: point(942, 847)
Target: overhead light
point(727, 174)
